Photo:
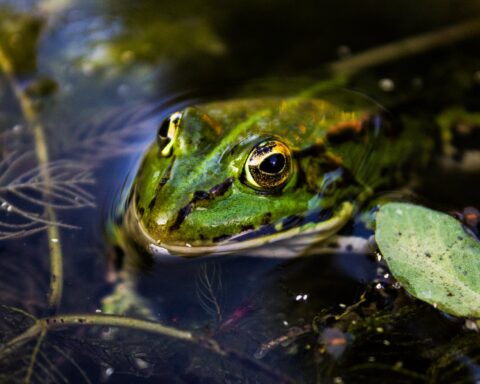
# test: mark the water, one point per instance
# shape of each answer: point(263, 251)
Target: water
point(119, 68)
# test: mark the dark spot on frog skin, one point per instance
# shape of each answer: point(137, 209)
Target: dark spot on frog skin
point(137, 199)
point(141, 211)
point(214, 192)
point(220, 238)
point(247, 228)
point(291, 221)
point(233, 150)
point(182, 214)
point(427, 254)
point(163, 181)
point(349, 247)
point(222, 188)
point(152, 202)
point(345, 131)
point(166, 174)
point(200, 195)
point(311, 151)
point(267, 218)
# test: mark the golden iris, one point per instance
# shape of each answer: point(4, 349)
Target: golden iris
point(268, 166)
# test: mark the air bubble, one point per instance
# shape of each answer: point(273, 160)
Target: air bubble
point(386, 85)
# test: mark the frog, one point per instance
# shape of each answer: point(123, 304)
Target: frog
point(264, 176)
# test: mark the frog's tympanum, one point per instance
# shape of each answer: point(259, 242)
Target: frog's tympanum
point(235, 175)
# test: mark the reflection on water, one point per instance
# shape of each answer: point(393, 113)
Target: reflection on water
point(100, 77)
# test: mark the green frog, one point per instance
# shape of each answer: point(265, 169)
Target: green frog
point(234, 176)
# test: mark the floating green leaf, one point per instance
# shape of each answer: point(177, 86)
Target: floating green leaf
point(432, 255)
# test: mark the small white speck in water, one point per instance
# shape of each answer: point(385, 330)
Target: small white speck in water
point(98, 310)
point(109, 371)
point(378, 286)
point(285, 323)
point(386, 342)
point(9, 208)
point(54, 240)
point(141, 363)
point(341, 305)
point(379, 329)
point(371, 359)
point(298, 297)
point(386, 85)
point(386, 275)
point(188, 245)
point(471, 325)
point(88, 69)
point(305, 297)
point(379, 257)
point(17, 128)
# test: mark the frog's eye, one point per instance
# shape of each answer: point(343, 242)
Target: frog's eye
point(167, 132)
point(268, 166)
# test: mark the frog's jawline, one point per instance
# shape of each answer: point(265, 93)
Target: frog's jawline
point(290, 243)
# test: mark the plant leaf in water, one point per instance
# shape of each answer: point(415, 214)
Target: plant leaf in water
point(24, 192)
point(209, 289)
point(111, 133)
point(432, 255)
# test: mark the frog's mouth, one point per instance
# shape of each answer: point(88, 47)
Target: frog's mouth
point(274, 240)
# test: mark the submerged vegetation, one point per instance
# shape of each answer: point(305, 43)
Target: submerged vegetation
point(51, 169)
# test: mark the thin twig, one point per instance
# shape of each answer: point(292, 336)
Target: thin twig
point(31, 116)
point(405, 48)
point(53, 323)
point(33, 358)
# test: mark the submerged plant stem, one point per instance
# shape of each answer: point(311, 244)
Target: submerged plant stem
point(43, 325)
point(406, 47)
point(41, 149)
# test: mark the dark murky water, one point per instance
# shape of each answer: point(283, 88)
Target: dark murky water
point(115, 70)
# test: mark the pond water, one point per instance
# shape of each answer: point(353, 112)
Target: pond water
point(92, 81)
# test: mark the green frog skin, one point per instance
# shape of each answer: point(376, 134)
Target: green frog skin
point(232, 176)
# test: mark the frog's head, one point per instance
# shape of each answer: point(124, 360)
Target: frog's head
point(231, 175)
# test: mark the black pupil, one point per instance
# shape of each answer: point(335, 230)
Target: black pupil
point(273, 163)
point(163, 130)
